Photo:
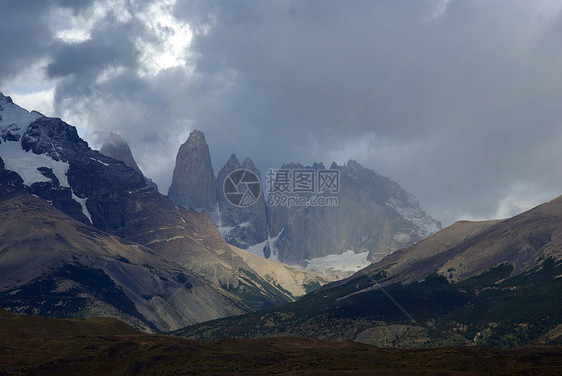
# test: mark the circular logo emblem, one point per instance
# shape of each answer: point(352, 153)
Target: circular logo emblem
point(242, 188)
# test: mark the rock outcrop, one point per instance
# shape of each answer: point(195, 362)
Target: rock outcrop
point(10, 182)
point(242, 227)
point(193, 183)
point(373, 214)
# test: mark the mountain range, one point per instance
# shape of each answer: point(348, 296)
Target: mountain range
point(83, 234)
point(373, 217)
point(95, 238)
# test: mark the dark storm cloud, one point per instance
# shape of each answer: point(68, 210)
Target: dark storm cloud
point(24, 34)
point(107, 48)
point(302, 65)
point(111, 46)
point(458, 101)
point(470, 117)
point(25, 31)
point(76, 5)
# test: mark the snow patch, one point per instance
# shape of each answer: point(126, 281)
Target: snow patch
point(82, 202)
point(216, 216)
point(349, 262)
point(11, 113)
point(97, 160)
point(225, 230)
point(25, 164)
point(257, 249)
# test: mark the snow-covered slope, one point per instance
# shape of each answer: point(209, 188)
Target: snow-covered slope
point(339, 266)
point(14, 121)
point(27, 164)
point(38, 170)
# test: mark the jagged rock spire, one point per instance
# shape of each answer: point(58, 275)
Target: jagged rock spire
point(193, 182)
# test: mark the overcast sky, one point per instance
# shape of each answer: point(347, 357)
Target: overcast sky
point(458, 101)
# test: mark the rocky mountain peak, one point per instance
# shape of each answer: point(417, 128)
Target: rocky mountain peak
point(291, 165)
point(373, 217)
point(14, 120)
point(233, 161)
point(187, 253)
point(249, 164)
point(115, 147)
point(318, 166)
point(354, 165)
point(53, 137)
point(196, 137)
point(241, 226)
point(5, 98)
point(193, 182)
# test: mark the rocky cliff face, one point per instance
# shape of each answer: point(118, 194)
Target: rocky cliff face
point(10, 182)
point(193, 183)
point(82, 182)
point(374, 216)
point(241, 226)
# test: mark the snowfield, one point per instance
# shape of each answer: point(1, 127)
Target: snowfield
point(25, 164)
point(347, 262)
point(257, 249)
point(14, 122)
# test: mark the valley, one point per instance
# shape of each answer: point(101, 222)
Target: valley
point(280, 187)
point(468, 284)
point(47, 346)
